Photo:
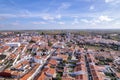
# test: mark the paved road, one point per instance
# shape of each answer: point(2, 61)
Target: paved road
point(88, 69)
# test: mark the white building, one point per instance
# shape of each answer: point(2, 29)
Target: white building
point(13, 44)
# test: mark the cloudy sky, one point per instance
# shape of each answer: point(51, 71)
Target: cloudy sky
point(59, 14)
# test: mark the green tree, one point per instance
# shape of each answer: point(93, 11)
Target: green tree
point(49, 43)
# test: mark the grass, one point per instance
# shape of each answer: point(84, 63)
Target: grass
point(59, 76)
point(92, 47)
point(2, 57)
point(9, 63)
point(96, 47)
point(111, 75)
point(52, 66)
point(69, 58)
point(104, 61)
point(117, 38)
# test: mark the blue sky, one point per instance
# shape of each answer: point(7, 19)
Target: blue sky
point(59, 14)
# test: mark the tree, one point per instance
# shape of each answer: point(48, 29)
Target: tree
point(86, 49)
point(63, 34)
point(33, 54)
point(32, 41)
point(55, 36)
point(42, 33)
point(49, 43)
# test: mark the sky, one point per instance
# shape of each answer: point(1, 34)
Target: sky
point(59, 14)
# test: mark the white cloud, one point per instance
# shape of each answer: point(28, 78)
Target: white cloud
point(84, 0)
point(22, 13)
point(39, 22)
point(107, 1)
point(28, 14)
point(63, 6)
point(105, 18)
point(16, 23)
point(100, 19)
point(92, 7)
point(50, 17)
point(25, 13)
point(75, 21)
point(93, 21)
point(58, 16)
point(52, 21)
point(114, 2)
point(8, 15)
point(85, 20)
point(47, 17)
point(61, 23)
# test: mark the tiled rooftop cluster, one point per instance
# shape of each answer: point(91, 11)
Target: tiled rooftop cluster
point(36, 56)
